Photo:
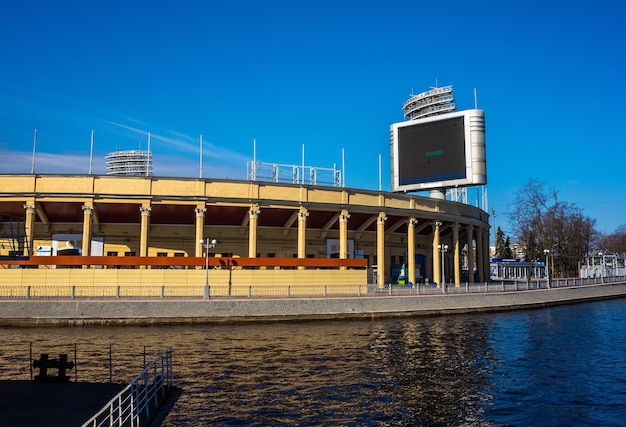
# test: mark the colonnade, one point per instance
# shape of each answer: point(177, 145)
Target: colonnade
point(476, 239)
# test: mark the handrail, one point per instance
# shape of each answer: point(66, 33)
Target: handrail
point(137, 402)
point(284, 290)
point(140, 399)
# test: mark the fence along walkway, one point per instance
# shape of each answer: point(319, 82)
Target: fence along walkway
point(287, 290)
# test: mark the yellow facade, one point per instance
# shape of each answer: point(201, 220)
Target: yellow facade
point(156, 216)
point(110, 283)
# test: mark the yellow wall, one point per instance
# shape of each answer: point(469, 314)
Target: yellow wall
point(57, 282)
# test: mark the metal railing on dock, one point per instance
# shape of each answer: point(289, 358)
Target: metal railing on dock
point(141, 399)
point(149, 377)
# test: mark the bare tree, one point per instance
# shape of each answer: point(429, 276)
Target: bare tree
point(574, 240)
point(541, 222)
point(614, 242)
point(528, 212)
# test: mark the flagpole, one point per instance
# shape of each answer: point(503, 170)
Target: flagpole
point(32, 168)
point(200, 155)
point(91, 153)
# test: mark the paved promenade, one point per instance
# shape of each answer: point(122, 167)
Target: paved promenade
point(41, 312)
point(30, 403)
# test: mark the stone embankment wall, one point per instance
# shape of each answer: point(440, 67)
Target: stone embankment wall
point(34, 312)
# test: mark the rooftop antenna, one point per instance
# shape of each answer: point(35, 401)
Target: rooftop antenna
point(302, 163)
point(343, 168)
point(91, 153)
point(380, 172)
point(254, 159)
point(475, 100)
point(32, 168)
point(148, 157)
point(200, 155)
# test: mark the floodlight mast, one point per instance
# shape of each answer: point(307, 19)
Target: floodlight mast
point(437, 100)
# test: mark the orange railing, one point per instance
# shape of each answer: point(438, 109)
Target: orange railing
point(226, 262)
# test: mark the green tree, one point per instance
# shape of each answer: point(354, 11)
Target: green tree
point(503, 245)
point(500, 248)
point(508, 252)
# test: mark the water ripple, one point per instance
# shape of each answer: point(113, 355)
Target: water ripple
point(556, 366)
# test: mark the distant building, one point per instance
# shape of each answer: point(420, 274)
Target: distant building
point(603, 264)
point(516, 269)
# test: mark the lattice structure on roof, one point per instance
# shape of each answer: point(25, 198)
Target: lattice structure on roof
point(437, 100)
point(129, 163)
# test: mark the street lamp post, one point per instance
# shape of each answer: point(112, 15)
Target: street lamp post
point(443, 249)
point(546, 253)
point(207, 244)
point(602, 264)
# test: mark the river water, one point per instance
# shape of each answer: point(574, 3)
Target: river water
point(556, 366)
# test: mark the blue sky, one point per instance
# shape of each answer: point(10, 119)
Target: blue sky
point(327, 75)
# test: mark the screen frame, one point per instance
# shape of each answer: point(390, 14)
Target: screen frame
point(473, 146)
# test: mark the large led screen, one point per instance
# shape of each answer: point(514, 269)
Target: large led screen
point(438, 152)
point(433, 151)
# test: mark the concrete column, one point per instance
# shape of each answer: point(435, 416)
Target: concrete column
point(145, 224)
point(480, 260)
point(456, 247)
point(87, 220)
point(410, 238)
point(200, 211)
point(253, 215)
point(302, 215)
point(343, 234)
point(30, 228)
point(380, 248)
point(436, 253)
point(470, 253)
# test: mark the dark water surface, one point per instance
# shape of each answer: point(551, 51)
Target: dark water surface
point(556, 366)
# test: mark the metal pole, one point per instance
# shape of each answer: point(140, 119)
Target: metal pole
point(110, 363)
point(443, 267)
point(546, 252)
point(32, 168)
point(30, 355)
point(91, 153)
point(443, 277)
point(603, 268)
point(75, 364)
point(548, 268)
point(206, 275)
point(443, 248)
point(207, 243)
point(230, 277)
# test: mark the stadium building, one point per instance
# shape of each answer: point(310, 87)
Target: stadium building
point(140, 228)
point(167, 217)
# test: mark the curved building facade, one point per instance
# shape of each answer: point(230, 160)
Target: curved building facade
point(424, 238)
